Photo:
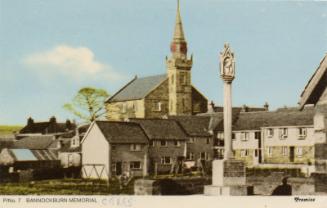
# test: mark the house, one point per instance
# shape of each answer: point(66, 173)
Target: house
point(112, 148)
point(28, 164)
point(167, 144)
point(315, 93)
point(161, 95)
point(246, 137)
point(200, 142)
point(47, 127)
point(70, 151)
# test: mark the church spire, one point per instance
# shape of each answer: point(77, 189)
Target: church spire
point(178, 46)
point(179, 33)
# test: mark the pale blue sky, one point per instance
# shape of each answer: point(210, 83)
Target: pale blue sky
point(50, 49)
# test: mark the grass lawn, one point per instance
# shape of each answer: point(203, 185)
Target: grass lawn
point(9, 129)
point(66, 187)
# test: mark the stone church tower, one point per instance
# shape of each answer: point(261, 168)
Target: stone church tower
point(179, 73)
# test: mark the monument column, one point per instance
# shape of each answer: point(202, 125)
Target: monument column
point(229, 174)
point(227, 74)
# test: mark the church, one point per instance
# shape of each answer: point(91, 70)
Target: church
point(170, 94)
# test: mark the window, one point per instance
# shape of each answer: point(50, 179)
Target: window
point(233, 136)
point(177, 143)
point(113, 147)
point(172, 79)
point(192, 140)
point(157, 106)
point(245, 136)
point(135, 165)
point(123, 108)
point(135, 147)
point(208, 140)
point(113, 167)
point(302, 133)
point(270, 132)
point(70, 160)
point(152, 143)
point(299, 151)
point(73, 142)
point(135, 106)
point(270, 153)
point(244, 152)
point(165, 160)
point(284, 151)
point(283, 133)
point(163, 143)
point(220, 135)
point(204, 156)
point(190, 156)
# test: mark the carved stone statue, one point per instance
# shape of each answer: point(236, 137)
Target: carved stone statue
point(227, 63)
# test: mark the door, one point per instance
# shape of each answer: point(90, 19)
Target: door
point(292, 153)
point(118, 168)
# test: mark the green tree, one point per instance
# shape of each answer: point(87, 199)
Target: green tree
point(88, 104)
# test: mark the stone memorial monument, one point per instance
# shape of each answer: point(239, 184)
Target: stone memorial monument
point(228, 175)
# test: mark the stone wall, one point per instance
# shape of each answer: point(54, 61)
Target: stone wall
point(180, 186)
point(321, 151)
point(133, 109)
point(159, 94)
point(199, 102)
point(320, 180)
point(264, 185)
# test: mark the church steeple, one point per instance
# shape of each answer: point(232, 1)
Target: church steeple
point(178, 46)
point(179, 72)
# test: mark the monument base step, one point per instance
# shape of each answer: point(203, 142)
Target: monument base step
point(241, 190)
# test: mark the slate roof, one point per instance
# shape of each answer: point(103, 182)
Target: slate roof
point(33, 155)
point(217, 119)
point(194, 125)
point(158, 129)
point(122, 132)
point(281, 117)
point(138, 88)
point(36, 142)
point(316, 85)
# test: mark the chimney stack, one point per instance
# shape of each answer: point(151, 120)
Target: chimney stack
point(266, 106)
point(53, 119)
point(30, 121)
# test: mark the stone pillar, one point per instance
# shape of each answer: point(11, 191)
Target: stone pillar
point(228, 154)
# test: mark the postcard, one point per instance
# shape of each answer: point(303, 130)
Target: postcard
point(163, 103)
